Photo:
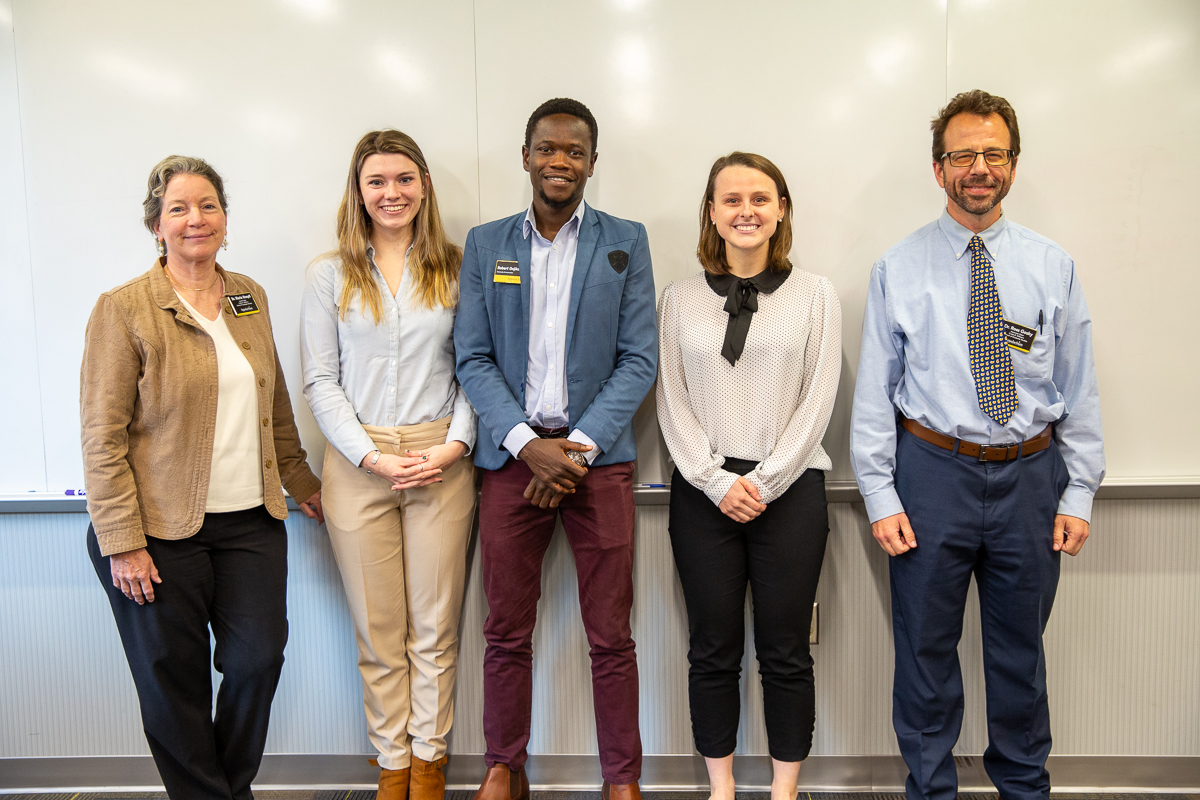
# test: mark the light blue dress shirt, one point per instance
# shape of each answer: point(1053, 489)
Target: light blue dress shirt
point(394, 373)
point(551, 267)
point(915, 359)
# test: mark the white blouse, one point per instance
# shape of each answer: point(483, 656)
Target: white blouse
point(235, 478)
point(772, 406)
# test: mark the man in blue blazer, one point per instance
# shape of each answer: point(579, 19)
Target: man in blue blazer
point(557, 347)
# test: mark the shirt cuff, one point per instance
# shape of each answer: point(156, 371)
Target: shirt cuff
point(883, 503)
point(357, 456)
point(461, 432)
point(757, 480)
point(516, 439)
point(719, 485)
point(580, 437)
point(1076, 501)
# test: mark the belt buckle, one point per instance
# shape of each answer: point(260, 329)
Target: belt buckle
point(1006, 448)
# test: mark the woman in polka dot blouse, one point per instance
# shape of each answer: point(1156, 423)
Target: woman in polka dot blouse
point(748, 370)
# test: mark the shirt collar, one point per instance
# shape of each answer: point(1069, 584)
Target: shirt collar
point(371, 253)
point(530, 224)
point(959, 237)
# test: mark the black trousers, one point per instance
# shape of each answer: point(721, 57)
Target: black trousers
point(779, 553)
point(232, 576)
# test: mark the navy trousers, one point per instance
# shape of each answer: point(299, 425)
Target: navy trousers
point(231, 576)
point(994, 521)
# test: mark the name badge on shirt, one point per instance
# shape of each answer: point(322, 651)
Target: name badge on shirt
point(242, 305)
point(1018, 336)
point(507, 272)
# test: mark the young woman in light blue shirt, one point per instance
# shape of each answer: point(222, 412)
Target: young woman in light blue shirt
point(377, 349)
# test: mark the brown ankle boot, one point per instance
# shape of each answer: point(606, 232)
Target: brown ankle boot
point(393, 784)
point(428, 780)
point(502, 783)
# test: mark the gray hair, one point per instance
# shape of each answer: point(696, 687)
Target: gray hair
point(161, 175)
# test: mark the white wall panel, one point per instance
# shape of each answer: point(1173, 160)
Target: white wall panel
point(1108, 97)
point(23, 468)
point(274, 94)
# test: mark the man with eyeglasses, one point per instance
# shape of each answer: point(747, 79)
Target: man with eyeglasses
point(977, 446)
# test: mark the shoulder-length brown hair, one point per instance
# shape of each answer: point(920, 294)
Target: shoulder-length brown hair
point(435, 259)
point(711, 249)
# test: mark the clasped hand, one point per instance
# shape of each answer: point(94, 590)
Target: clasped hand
point(416, 468)
point(554, 475)
point(742, 502)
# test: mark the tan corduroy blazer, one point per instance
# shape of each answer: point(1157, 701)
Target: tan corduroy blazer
point(148, 412)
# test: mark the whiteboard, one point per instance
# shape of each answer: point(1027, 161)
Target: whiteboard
point(276, 93)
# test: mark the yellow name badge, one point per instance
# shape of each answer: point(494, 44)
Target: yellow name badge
point(506, 272)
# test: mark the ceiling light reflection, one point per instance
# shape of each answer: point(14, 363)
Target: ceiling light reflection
point(1147, 54)
point(144, 78)
point(400, 69)
point(313, 9)
point(886, 60)
point(633, 59)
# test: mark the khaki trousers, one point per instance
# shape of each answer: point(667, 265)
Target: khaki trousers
point(403, 560)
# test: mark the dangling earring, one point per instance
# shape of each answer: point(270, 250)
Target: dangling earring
point(225, 244)
point(162, 247)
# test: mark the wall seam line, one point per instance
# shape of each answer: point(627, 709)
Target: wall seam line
point(478, 138)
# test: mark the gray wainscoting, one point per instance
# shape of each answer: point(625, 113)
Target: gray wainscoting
point(1122, 648)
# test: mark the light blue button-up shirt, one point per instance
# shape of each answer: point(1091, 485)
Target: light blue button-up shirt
point(551, 268)
point(915, 359)
point(399, 371)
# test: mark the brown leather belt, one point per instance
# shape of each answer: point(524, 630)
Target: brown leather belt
point(980, 452)
point(550, 433)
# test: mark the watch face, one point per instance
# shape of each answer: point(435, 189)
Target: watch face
point(578, 457)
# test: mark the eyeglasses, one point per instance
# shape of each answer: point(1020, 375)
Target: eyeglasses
point(966, 158)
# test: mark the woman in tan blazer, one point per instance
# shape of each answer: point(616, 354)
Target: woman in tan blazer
point(187, 435)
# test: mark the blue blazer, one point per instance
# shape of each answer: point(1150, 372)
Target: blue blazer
point(612, 335)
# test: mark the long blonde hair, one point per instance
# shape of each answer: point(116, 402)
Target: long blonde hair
point(435, 259)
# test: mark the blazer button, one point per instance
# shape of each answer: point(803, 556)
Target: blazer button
point(265, 422)
point(228, 310)
point(267, 463)
point(245, 345)
point(262, 381)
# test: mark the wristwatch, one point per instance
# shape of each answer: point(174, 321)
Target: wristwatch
point(578, 457)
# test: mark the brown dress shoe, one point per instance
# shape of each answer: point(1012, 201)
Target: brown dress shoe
point(393, 784)
point(620, 791)
point(427, 781)
point(501, 783)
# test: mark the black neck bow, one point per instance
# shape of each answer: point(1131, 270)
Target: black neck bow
point(741, 301)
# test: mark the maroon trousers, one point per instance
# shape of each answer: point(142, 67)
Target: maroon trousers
point(513, 536)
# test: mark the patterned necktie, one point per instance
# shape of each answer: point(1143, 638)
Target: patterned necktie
point(991, 363)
